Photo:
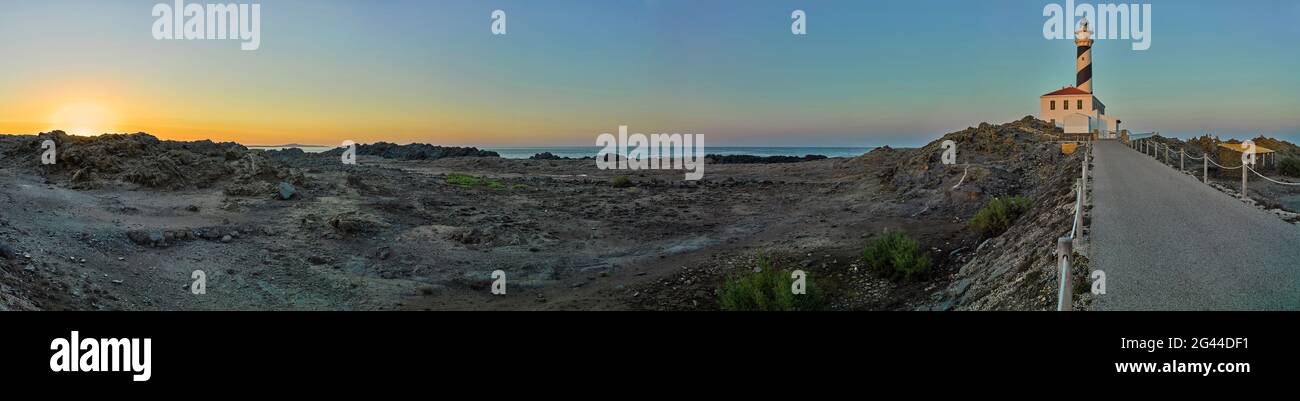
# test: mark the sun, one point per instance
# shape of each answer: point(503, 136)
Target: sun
point(83, 118)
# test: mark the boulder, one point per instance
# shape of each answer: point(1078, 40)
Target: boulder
point(354, 222)
point(147, 238)
point(287, 191)
point(7, 252)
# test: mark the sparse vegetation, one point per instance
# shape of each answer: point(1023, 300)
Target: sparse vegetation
point(895, 256)
point(463, 180)
point(469, 181)
point(768, 289)
point(1289, 166)
point(620, 181)
point(995, 218)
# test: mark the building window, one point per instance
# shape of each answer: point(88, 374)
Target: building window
point(1080, 104)
point(1053, 105)
point(1067, 104)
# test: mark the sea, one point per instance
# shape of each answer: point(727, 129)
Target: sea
point(591, 151)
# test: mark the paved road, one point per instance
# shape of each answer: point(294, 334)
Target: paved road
point(1168, 242)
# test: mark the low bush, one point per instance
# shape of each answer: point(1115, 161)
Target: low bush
point(469, 181)
point(996, 217)
point(621, 182)
point(1289, 166)
point(463, 180)
point(768, 289)
point(895, 256)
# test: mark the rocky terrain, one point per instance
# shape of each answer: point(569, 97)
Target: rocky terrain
point(415, 151)
point(748, 159)
point(129, 221)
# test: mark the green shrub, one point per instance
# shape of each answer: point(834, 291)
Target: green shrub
point(995, 218)
point(621, 181)
point(768, 289)
point(1289, 166)
point(469, 181)
point(895, 256)
point(463, 180)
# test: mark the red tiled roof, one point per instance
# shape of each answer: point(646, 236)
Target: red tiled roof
point(1069, 90)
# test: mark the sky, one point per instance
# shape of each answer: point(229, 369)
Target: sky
point(867, 73)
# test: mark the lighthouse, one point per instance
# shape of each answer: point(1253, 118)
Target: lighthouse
point(1076, 109)
point(1083, 62)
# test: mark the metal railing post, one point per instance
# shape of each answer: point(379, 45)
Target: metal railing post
point(1064, 294)
point(1182, 160)
point(1083, 181)
point(1205, 167)
point(1078, 214)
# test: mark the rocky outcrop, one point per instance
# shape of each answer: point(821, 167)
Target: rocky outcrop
point(750, 159)
point(547, 156)
point(1016, 270)
point(144, 160)
point(415, 151)
point(991, 161)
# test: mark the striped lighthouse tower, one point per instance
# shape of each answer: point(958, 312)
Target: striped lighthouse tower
point(1083, 64)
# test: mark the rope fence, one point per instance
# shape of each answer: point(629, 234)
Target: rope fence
point(1221, 166)
point(1146, 146)
point(1272, 180)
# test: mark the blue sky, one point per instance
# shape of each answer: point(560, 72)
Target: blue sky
point(868, 72)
